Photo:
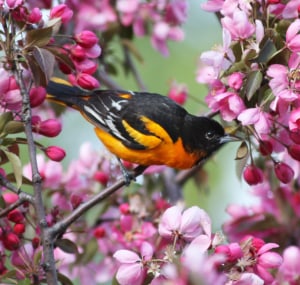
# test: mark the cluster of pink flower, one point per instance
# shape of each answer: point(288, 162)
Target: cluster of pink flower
point(254, 80)
point(164, 18)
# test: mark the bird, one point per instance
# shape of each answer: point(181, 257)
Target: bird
point(142, 127)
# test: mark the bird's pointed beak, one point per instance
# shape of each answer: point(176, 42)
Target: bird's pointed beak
point(229, 138)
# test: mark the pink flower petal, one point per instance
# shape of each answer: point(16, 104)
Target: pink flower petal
point(126, 256)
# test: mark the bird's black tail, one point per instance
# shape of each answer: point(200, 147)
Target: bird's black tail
point(61, 92)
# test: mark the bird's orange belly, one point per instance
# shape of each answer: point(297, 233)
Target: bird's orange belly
point(173, 155)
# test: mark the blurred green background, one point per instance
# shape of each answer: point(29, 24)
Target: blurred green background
point(202, 32)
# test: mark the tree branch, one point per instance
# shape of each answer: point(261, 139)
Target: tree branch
point(60, 227)
point(49, 267)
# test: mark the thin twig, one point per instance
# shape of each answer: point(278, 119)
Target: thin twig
point(23, 197)
point(136, 75)
point(107, 80)
point(60, 227)
point(49, 266)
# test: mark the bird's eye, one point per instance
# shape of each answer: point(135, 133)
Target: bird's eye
point(210, 135)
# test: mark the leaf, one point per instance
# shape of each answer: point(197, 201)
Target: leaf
point(242, 156)
point(45, 60)
point(67, 246)
point(38, 37)
point(38, 75)
point(253, 83)
point(16, 165)
point(13, 127)
point(63, 279)
point(242, 151)
point(4, 119)
point(62, 57)
point(266, 51)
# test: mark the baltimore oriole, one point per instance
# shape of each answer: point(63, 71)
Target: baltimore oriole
point(143, 128)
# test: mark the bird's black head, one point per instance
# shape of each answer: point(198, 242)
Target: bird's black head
point(203, 135)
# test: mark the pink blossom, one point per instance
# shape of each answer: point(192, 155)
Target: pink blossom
point(127, 9)
point(50, 171)
point(238, 25)
point(187, 225)
point(229, 104)
point(293, 37)
point(176, 12)
point(294, 120)
point(235, 80)
point(132, 269)
point(247, 278)
point(267, 260)
point(256, 117)
point(162, 32)
point(289, 270)
point(212, 5)
point(290, 10)
point(284, 80)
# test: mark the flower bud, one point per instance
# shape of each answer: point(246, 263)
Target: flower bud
point(87, 81)
point(294, 151)
point(35, 242)
point(15, 216)
point(55, 153)
point(99, 232)
point(124, 208)
point(78, 53)
point(295, 136)
point(19, 229)
point(253, 175)
point(76, 200)
point(10, 241)
point(86, 39)
point(37, 96)
point(61, 11)
point(101, 177)
point(34, 16)
point(284, 172)
point(265, 147)
point(48, 128)
point(12, 4)
point(178, 93)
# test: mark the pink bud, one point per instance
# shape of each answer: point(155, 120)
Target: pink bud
point(294, 151)
point(86, 39)
point(11, 241)
point(10, 198)
point(265, 147)
point(78, 53)
point(99, 232)
point(101, 177)
point(15, 216)
point(124, 208)
point(37, 96)
point(178, 93)
point(35, 242)
point(87, 81)
point(48, 128)
point(284, 172)
point(253, 175)
point(295, 136)
point(61, 11)
point(55, 153)
point(19, 229)
point(34, 16)
point(76, 200)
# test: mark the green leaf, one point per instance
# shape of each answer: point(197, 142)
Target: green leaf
point(45, 60)
point(16, 165)
point(266, 51)
point(13, 127)
point(253, 83)
point(63, 279)
point(38, 37)
point(4, 119)
point(242, 156)
point(67, 246)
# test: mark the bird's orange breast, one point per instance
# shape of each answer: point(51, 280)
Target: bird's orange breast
point(165, 153)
